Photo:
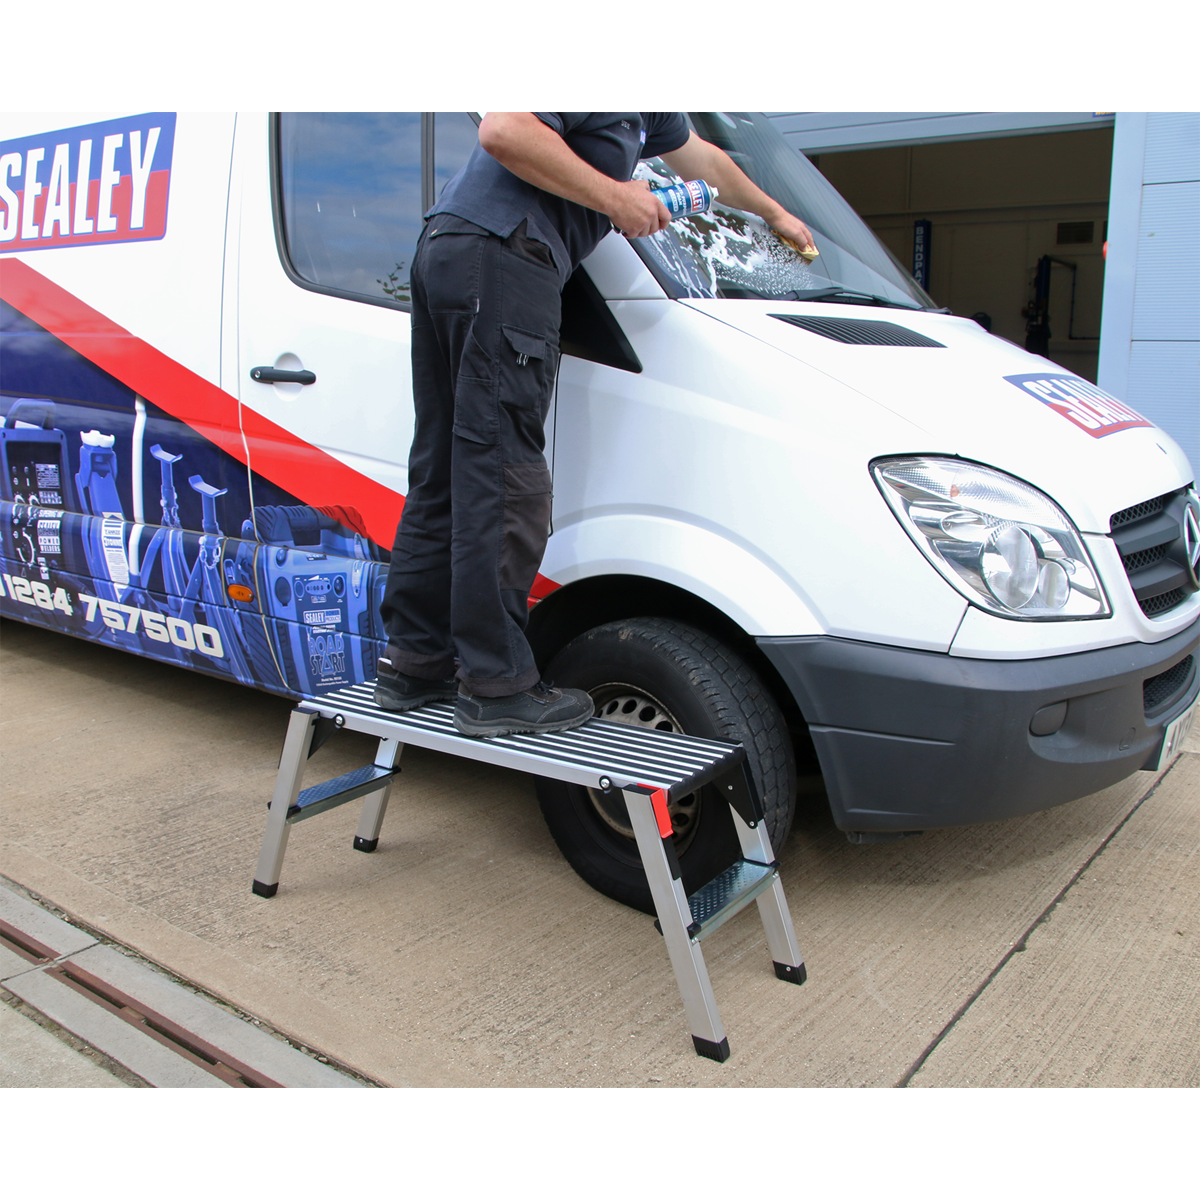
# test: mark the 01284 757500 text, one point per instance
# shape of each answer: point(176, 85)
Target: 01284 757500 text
point(125, 617)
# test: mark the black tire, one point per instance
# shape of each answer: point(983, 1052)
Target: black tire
point(667, 675)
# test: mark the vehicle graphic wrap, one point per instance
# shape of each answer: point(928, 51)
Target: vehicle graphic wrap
point(310, 622)
point(1083, 404)
point(127, 487)
point(162, 590)
point(300, 470)
point(107, 182)
point(123, 524)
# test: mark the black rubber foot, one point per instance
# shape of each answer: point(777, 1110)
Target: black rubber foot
point(693, 929)
point(790, 974)
point(266, 890)
point(717, 1051)
point(365, 846)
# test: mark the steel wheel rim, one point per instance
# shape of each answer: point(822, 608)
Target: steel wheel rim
point(625, 705)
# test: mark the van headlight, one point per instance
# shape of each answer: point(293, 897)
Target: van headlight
point(1003, 544)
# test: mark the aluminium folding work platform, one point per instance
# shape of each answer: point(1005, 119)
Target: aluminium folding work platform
point(649, 767)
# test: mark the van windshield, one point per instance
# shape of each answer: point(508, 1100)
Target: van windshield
point(734, 255)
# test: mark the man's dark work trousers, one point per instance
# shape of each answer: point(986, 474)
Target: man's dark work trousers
point(485, 319)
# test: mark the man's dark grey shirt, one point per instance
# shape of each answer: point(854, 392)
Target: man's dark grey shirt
point(489, 195)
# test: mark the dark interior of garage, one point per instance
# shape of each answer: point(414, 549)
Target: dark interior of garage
point(1014, 229)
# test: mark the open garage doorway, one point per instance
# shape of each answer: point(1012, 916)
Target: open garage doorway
point(1016, 229)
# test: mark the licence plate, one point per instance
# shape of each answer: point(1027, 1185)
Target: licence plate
point(1173, 738)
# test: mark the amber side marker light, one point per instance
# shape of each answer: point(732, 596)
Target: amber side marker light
point(239, 591)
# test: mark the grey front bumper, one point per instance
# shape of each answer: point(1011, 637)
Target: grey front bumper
point(909, 739)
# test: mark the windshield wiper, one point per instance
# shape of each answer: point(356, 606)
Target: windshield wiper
point(840, 295)
point(837, 295)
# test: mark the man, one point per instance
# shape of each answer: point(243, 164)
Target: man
point(533, 201)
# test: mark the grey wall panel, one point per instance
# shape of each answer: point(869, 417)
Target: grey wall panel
point(1164, 385)
point(1120, 271)
point(1172, 147)
point(1166, 299)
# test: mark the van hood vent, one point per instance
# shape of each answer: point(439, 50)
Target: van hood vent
point(859, 333)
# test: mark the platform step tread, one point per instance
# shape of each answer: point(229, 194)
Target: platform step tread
point(338, 790)
point(730, 892)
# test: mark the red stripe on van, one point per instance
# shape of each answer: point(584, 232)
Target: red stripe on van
point(542, 587)
point(303, 470)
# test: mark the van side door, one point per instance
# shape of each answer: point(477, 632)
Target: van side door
point(330, 208)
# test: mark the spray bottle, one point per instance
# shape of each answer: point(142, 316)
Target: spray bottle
point(687, 199)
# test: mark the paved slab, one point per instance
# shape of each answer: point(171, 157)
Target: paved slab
point(243, 1046)
point(54, 934)
point(146, 1058)
point(465, 951)
point(31, 1057)
point(236, 1039)
point(12, 964)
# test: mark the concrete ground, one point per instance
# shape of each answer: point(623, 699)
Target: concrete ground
point(1059, 949)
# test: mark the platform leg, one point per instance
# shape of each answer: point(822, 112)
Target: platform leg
point(287, 789)
point(675, 919)
point(772, 907)
point(375, 805)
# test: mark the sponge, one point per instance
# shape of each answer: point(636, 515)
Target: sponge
point(808, 253)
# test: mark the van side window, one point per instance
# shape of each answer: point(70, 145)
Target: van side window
point(349, 201)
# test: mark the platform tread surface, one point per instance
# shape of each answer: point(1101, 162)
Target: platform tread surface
point(729, 892)
point(652, 757)
point(363, 777)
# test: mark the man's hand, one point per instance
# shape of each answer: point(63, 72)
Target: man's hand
point(793, 230)
point(636, 211)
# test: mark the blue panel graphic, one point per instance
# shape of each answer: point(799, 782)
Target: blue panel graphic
point(122, 525)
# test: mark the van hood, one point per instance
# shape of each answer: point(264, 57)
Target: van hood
point(981, 397)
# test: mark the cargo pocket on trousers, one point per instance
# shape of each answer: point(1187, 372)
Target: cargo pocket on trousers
point(527, 506)
point(527, 372)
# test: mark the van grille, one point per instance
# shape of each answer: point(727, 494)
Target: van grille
point(1164, 603)
point(1149, 537)
point(1143, 558)
point(1159, 691)
point(859, 333)
point(1147, 508)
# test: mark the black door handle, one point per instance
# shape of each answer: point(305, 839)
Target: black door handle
point(275, 375)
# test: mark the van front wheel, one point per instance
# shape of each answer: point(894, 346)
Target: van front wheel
point(659, 674)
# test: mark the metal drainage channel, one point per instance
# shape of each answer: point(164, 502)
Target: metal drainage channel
point(154, 1025)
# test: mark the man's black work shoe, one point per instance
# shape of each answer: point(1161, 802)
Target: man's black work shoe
point(398, 693)
point(542, 709)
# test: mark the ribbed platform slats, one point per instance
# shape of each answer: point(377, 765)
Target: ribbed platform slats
point(623, 754)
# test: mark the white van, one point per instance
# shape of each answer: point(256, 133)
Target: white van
point(798, 506)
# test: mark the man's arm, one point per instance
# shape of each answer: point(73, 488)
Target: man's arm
point(698, 159)
point(533, 152)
